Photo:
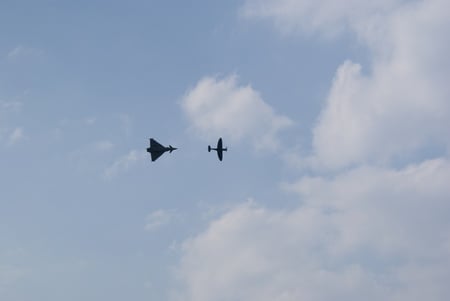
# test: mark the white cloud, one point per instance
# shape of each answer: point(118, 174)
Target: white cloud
point(124, 163)
point(386, 238)
point(220, 107)
point(157, 219)
point(368, 232)
point(401, 106)
point(326, 17)
point(407, 206)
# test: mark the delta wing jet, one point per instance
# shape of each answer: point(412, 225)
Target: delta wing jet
point(156, 149)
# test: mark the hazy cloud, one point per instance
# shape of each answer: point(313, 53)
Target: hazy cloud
point(90, 121)
point(22, 51)
point(158, 218)
point(221, 107)
point(126, 123)
point(15, 136)
point(8, 133)
point(9, 276)
point(8, 106)
point(96, 147)
point(123, 163)
point(103, 145)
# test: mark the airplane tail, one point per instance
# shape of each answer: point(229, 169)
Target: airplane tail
point(209, 148)
point(171, 148)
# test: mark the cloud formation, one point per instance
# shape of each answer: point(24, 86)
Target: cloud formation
point(385, 239)
point(400, 106)
point(326, 17)
point(221, 107)
point(363, 229)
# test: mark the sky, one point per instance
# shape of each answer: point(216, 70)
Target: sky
point(335, 185)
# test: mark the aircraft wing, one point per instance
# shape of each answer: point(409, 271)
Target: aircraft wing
point(156, 155)
point(220, 153)
point(155, 144)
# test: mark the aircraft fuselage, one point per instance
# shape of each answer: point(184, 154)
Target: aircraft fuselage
point(219, 149)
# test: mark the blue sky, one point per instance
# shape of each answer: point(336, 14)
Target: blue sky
point(335, 185)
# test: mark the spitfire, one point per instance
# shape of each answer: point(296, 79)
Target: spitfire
point(219, 149)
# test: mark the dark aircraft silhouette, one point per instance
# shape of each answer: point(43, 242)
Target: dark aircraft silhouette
point(156, 149)
point(219, 149)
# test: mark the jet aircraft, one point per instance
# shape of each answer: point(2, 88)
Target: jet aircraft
point(156, 149)
point(219, 149)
